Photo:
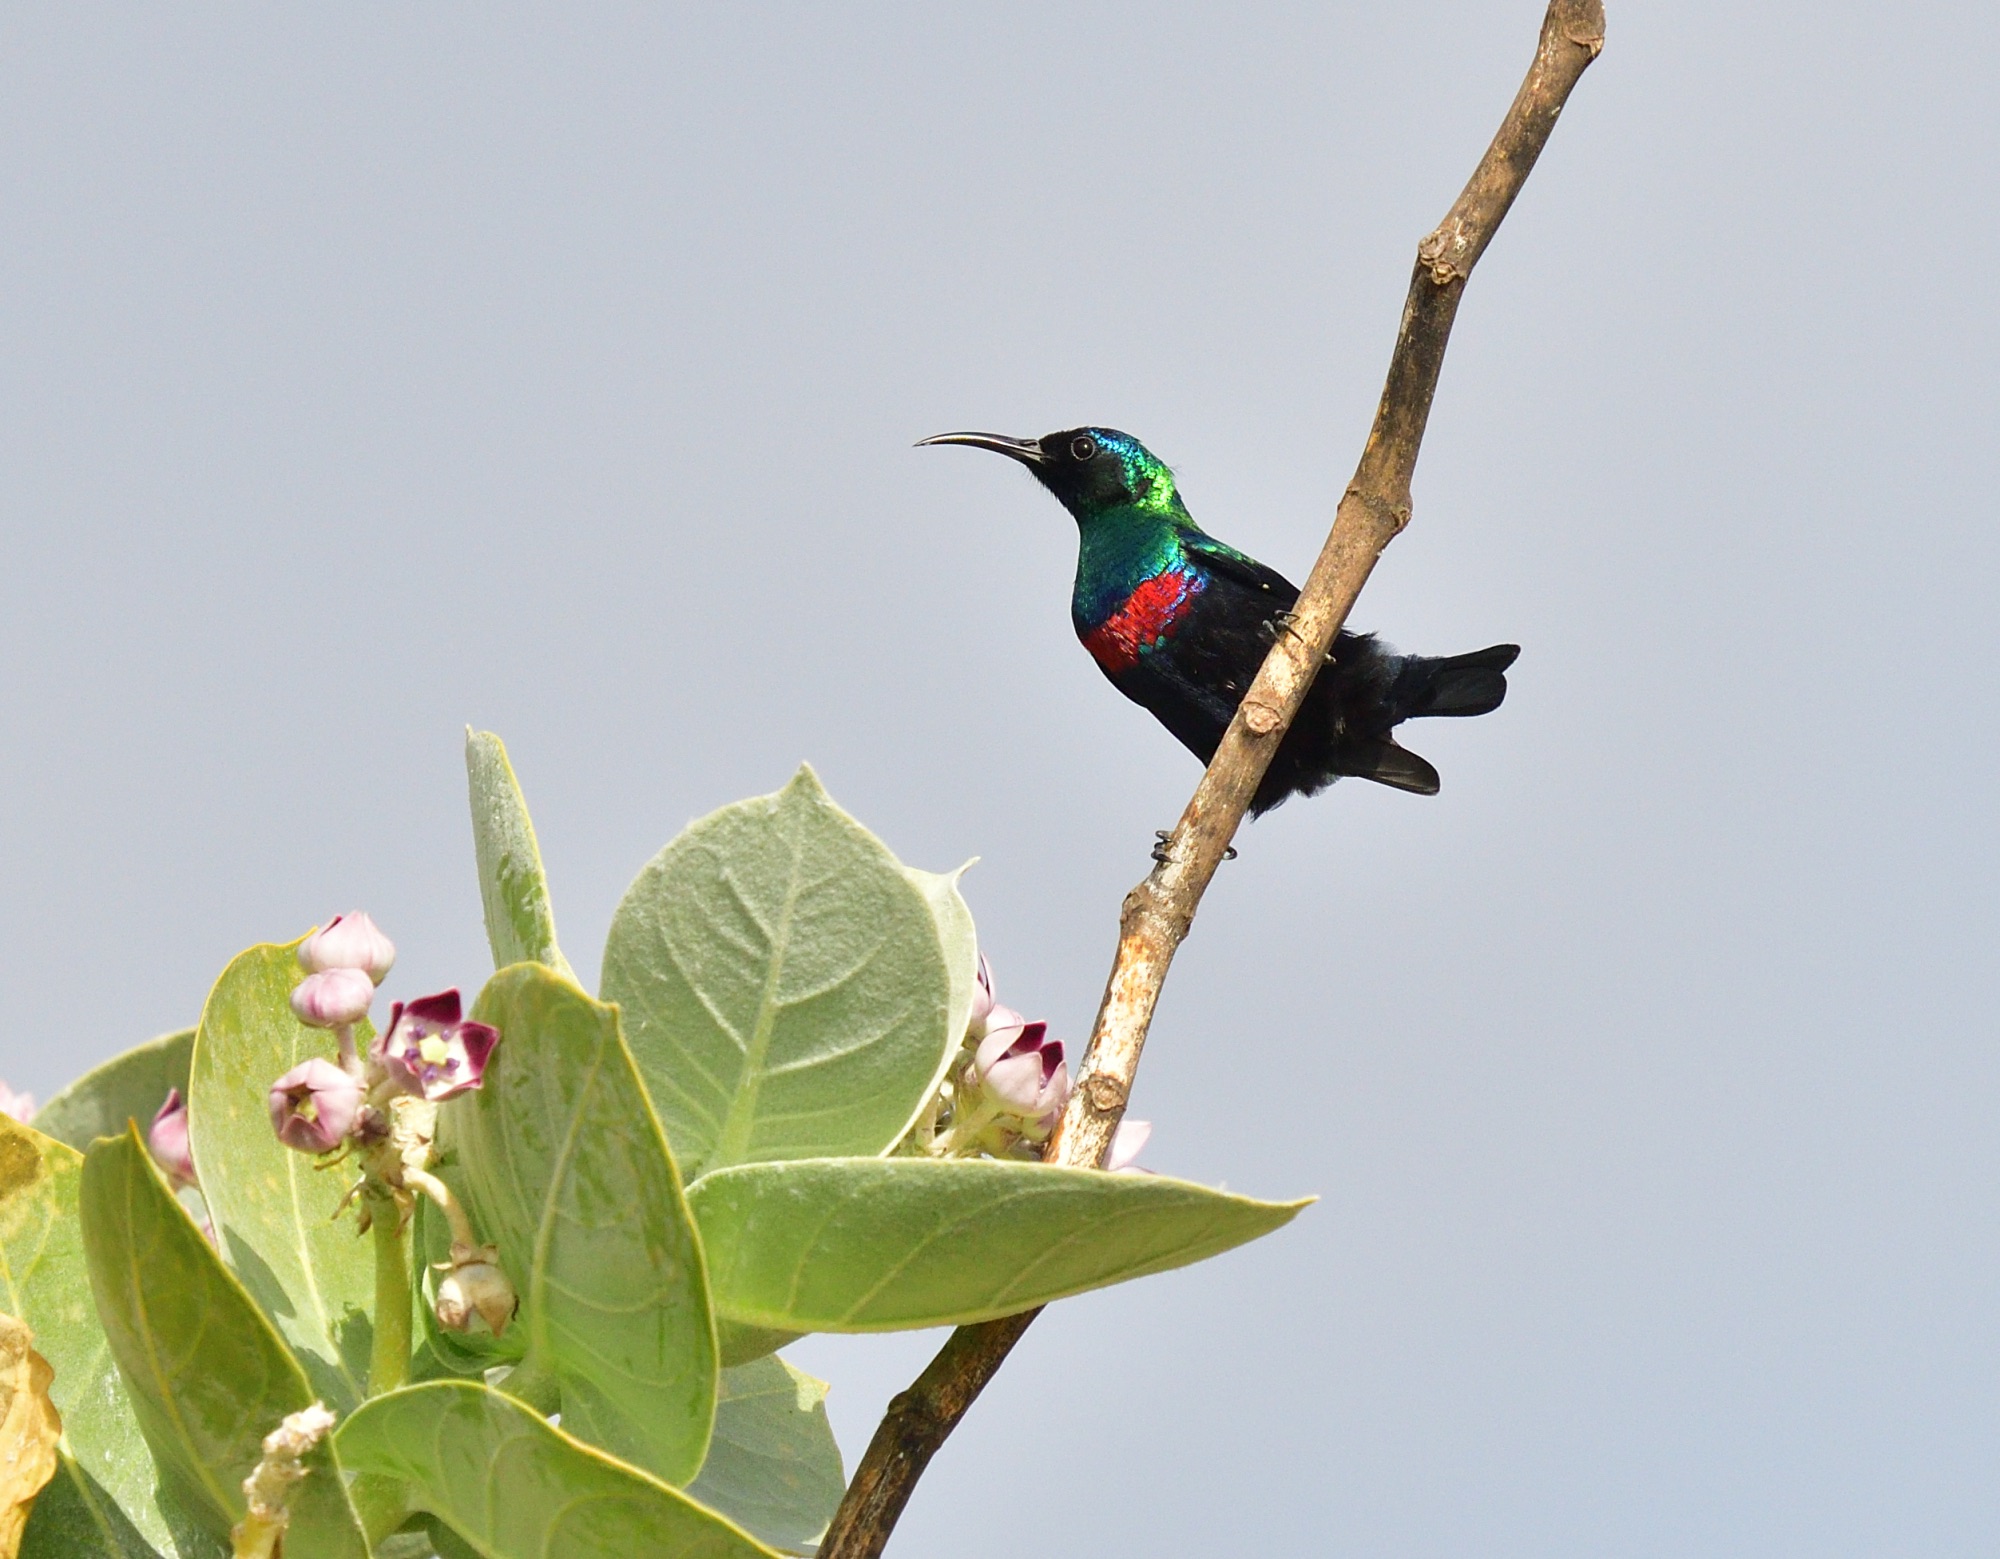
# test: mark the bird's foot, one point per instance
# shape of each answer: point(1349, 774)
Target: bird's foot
point(1283, 622)
point(1165, 834)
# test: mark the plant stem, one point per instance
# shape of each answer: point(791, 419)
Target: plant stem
point(463, 1235)
point(389, 1361)
point(1159, 911)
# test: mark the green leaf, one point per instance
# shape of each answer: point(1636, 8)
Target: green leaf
point(74, 1520)
point(515, 1487)
point(744, 1344)
point(564, 1167)
point(958, 937)
point(206, 1374)
point(773, 1466)
point(876, 1245)
point(131, 1086)
point(273, 1209)
point(520, 925)
point(104, 1493)
point(785, 984)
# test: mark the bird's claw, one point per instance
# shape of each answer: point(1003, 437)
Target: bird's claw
point(1278, 622)
point(1165, 834)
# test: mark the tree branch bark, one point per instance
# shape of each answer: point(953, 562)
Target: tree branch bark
point(1159, 911)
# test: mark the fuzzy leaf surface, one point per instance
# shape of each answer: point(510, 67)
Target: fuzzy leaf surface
point(959, 940)
point(104, 1492)
point(515, 1487)
point(773, 1467)
point(131, 1086)
point(874, 1245)
point(563, 1165)
point(786, 985)
point(272, 1208)
point(513, 888)
point(49, 1286)
point(207, 1375)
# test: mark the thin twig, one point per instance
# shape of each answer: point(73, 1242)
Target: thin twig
point(1158, 912)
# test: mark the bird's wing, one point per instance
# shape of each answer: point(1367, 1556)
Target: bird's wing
point(1241, 569)
point(1197, 714)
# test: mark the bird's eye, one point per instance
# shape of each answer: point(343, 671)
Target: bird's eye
point(1083, 447)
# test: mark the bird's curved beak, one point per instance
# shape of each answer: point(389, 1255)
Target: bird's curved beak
point(1026, 450)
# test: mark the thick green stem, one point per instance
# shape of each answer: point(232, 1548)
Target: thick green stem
point(389, 1362)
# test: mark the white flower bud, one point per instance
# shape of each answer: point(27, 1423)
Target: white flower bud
point(349, 942)
point(333, 998)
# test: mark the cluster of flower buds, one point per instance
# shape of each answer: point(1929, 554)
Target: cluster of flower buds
point(1007, 1093)
point(383, 1104)
point(429, 1050)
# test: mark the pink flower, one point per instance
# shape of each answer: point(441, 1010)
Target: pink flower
point(1127, 1143)
point(1021, 1069)
point(168, 1139)
point(19, 1105)
point(349, 942)
point(333, 998)
point(314, 1106)
point(431, 1052)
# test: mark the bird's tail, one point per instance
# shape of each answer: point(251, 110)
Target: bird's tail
point(1388, 764)
point(1456, 685)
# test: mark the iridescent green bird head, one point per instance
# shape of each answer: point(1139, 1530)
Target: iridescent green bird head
point(1093, 472)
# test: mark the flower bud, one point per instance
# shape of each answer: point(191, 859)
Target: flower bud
point(1127, 1143)
point(349, 942)
point(429, 1051)
point(333, 998)
point(21, 1106)
point(314, 1105)
point(168, 1140)
point(1021, 1070)
point(475, 1285)
point(982, 1000)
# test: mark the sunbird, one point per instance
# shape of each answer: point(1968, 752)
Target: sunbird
point(1180, 622)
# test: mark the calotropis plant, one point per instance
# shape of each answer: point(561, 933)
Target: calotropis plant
point(793, 1106)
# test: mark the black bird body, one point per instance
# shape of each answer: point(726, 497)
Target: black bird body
point(1180, 622)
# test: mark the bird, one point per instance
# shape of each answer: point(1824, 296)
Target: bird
point(1180, 622)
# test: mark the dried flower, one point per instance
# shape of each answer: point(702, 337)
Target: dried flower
point(267, 1492)
point(475, 1285)
point(333, 998)
point(430, 1051)
point(167, 1137)
point(314, 1105)
point(349, 942)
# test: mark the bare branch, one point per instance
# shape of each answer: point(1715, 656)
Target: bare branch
point(1158, 912)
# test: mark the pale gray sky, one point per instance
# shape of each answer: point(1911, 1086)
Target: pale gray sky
point(370, 370)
